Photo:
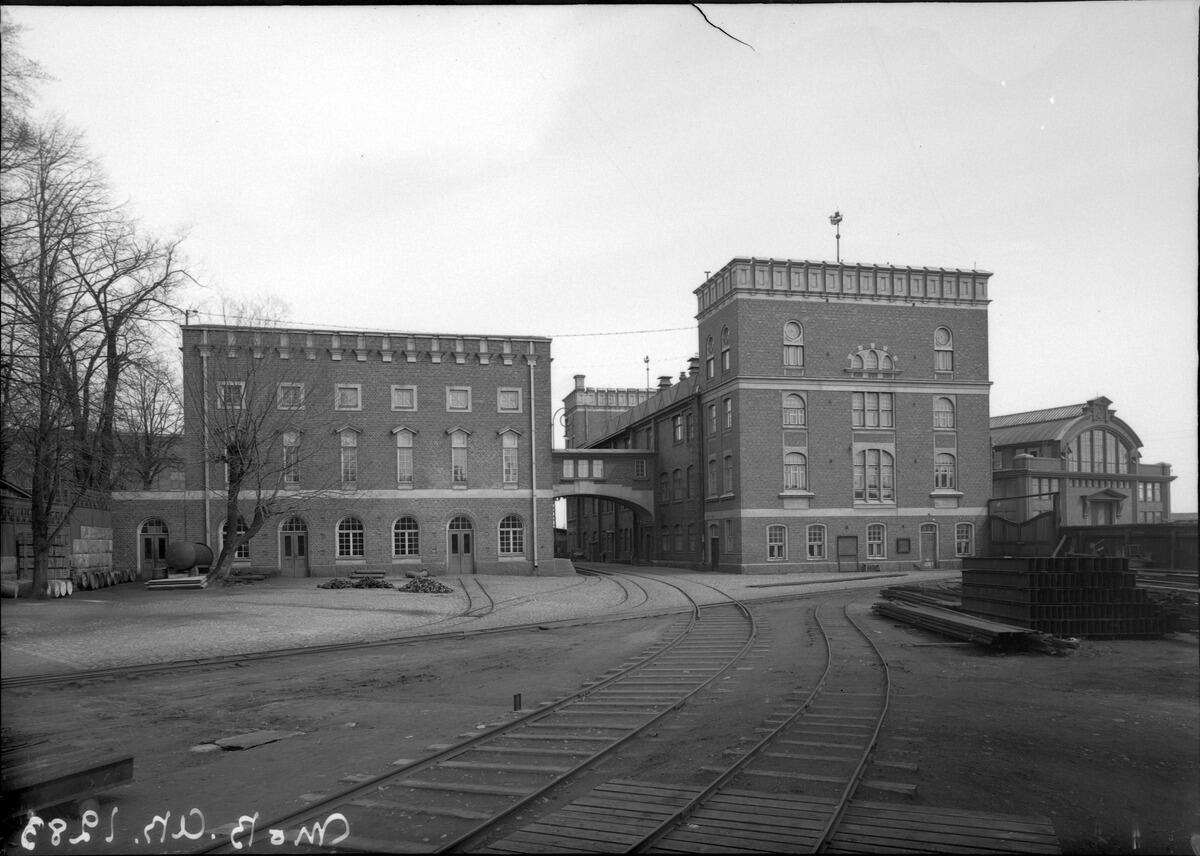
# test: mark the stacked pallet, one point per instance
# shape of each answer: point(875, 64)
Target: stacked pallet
point(957, 625)
point(1096, 597)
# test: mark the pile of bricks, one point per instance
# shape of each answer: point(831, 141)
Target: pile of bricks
point(1095, 597)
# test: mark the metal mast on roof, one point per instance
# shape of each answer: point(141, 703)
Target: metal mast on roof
point(836, 220)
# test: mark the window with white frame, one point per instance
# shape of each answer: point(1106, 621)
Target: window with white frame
point(964, 539)
point(776, 543)
point(871, 410)
point(795, 471)
point(508, 400)
point(728, 405)
point(242, 553)
point(291, 458)
point(795, 413)
point(724, 349)
point(350, 538)
point(347, 396)
point(874, 476)
point(508, 452)
point(943, 350)
point(677, 428)
point(458, 399)
point(872, 361)
point(710, 361)
point(349, 444)
point(876, 541)
point(458, 457)
point(512, 536)
point(944, 471)
point(289, 396)
point(404, 398)
point(943, 413)
point(598, 469)
point(404, 457)
point(568, 469)
point(793, 344)
point(406, 537)
point(815, 540)
point(231, 395)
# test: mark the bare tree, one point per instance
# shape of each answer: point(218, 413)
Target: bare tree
point(264, 440)
point(148, 420)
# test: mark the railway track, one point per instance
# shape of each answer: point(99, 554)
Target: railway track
point(444, 802)
point(787, 792)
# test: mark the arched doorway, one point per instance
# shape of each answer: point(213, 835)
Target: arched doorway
point(929, 545)
point(293, 547)
point(152, 545)
point(460, 546)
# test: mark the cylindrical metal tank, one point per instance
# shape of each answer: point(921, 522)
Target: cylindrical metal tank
point(185, 555)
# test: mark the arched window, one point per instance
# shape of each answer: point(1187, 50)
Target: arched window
point(793, 344)
point(815, 540)
point(795, 471)
point(1099, 451)
point(776, 543)
point(944, 471)
point(943, 350)
point(874, 476)
point(710, 361)
point(794, 409)
point(404, 457)
point(242, 553)
point(512, 536)
point(876, 541)
point(350, 538)
point(724, 349)
point(872, 362)
point(964, 539)
point(406, 539)
point(943, 413)
point(677, 484)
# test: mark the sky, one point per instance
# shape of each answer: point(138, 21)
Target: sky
point(573, 171)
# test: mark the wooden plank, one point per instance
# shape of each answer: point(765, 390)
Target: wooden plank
point(536, 843)
point(816, 814)
point(773, 824)
point(939, 835)
point(765, 797)
point(858, 842)
point(616, 823)
point(460, 787)
point(508, 768)
point(947, 815)
point(409, 808)
point(593, 834)
point(650, 816)
point(700, 842)
point(622, 803)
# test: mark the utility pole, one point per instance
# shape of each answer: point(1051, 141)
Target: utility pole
point(836, 220)
point(646, 360)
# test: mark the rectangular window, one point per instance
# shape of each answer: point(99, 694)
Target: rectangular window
point(816, 541)
point(597, 469)
point(871, 410)
point(712, 419)
point(508, 400)
point(876, 540)
point(793, 355)
point(404, 398)
point(712, 477)
point(347, 396)
point(639, 469)
point(290, 396)
point(728, 413)
point(291, 463)
point(231, 395)
point(569, 468)
point(964, 539)
point(349, 458)
point(729, 547)
point(584, 471)
point(776, 543)
point(458, 458)
point(677, 428)
point(728, 474)
point(404, 458)
point(509, 462)
point(458, 398)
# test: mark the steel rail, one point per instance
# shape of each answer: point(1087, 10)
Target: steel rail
point(398, 778)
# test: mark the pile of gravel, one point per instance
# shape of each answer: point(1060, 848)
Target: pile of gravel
point(359, 582)
point(426, 585)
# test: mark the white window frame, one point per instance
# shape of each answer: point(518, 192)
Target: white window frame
point(944, 417)
point(795, 416)
point(509, 390)
point(776, 543)
point(404, 457)
point(795, 472)
point(401, 388)
point(225, 401)
point(406, 543)
point(815, 547)
point(510, 540)
point(339, 388)
point(509, 458)
point(970, 539)
point(353, 550)
point(877, 547)
point(291, 458)
point(458, 457)
point(945, 475)
point(348, 457)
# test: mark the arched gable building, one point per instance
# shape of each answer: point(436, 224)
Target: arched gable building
point(1078, 464)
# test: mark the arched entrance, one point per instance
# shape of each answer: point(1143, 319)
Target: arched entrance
point(293, 547)
point(460, 546)
point(152, 545)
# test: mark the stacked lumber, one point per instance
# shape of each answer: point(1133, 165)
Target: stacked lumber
point(957, 625)
point(1091, 596)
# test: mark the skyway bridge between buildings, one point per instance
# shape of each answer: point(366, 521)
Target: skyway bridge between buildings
point(622, 475)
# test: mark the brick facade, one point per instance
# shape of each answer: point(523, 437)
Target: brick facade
point(468, 411)
point(845, 401)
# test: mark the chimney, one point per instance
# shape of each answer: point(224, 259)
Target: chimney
point(664, 381)
point(579, 381)
point(693, 365)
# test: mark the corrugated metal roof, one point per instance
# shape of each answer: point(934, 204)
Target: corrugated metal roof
point(662, 400)
point(1030, 417)
point(1034, 432)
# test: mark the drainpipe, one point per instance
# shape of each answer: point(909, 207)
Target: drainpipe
point(533, 460)
point(204, 426)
